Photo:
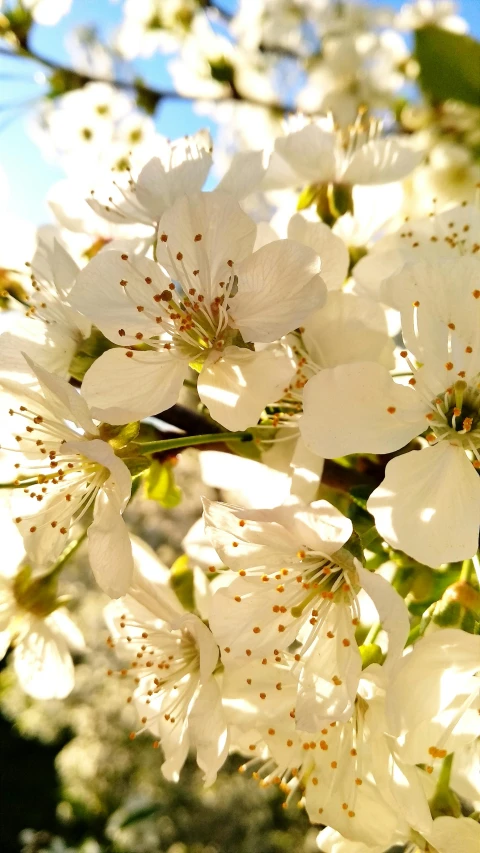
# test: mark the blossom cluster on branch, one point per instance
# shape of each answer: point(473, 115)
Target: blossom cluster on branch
point(309, 323)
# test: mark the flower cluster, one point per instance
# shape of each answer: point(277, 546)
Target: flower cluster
point(320, 351)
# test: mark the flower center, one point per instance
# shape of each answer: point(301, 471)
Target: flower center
point(456, 416)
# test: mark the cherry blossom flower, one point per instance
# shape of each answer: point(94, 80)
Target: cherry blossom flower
point(40, 631)
point(177, 168)
point(174, 658)
point(73, 467)
point(315, 152)
point(415, 508)
point(226, 299)
point(297, 582)
point(449, 234)
point(335, 771)
point(432, 704)
point(50, 331)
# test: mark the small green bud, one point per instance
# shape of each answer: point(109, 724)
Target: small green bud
point(371, 653)
point(447, 614)
point(464, 594)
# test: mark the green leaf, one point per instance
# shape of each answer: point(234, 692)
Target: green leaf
point(449, 65)
point(161, 486)
point(140, 814)
point(181, 581)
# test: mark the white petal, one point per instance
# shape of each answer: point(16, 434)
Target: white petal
point(238, 385)
point(348, 328)
point(159, 187)
point(332, 250)
point(207, 647)
point(320, 526)
point(208, 730)
point(70, 404)
point(121, 389)
point(261, 542)
point(100, 451)
point(43, 664)
point(63, 624)
point(109, 547)
point(455, 835)
point(310, 152)
point(346, 410)
point(52, 347)
point(227, 234)
point(381, 161)
point(330, 673)
point(244, 482)
point(307, 470)
point(113, 307)
point(438, 673)
point(429, 505)
point(278, 286)
point(244, 174)
point(64, 270)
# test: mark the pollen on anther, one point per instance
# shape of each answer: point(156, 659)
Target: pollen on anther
point(449, 365)
point(391, 410)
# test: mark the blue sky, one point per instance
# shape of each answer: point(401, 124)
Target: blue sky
point(29, 175)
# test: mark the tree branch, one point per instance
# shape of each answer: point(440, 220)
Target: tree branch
point(76, 80)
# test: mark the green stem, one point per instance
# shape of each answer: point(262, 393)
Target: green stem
point(414, 634)
point(466, 570)
point(443, 783)
point(192, 441)
point(372, 634)
point(66, 554)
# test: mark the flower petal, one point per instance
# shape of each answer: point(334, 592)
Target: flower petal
point(109, 547)
point(381, 161)
point(208, 730)
point(121, 389)
point(110, 289)
point(358, 408)
point(238, 385)
point(43, 664)
point(278, 286)
point(348, 328)
point(429, 505)
point(208, 232)
point(244, 174)
point(332, 250)
point(68, 403)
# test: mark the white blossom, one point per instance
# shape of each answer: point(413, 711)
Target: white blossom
point(296, 582)
point(67, 466)
point(227, 298)
point(173, 658)
point(415, 508)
